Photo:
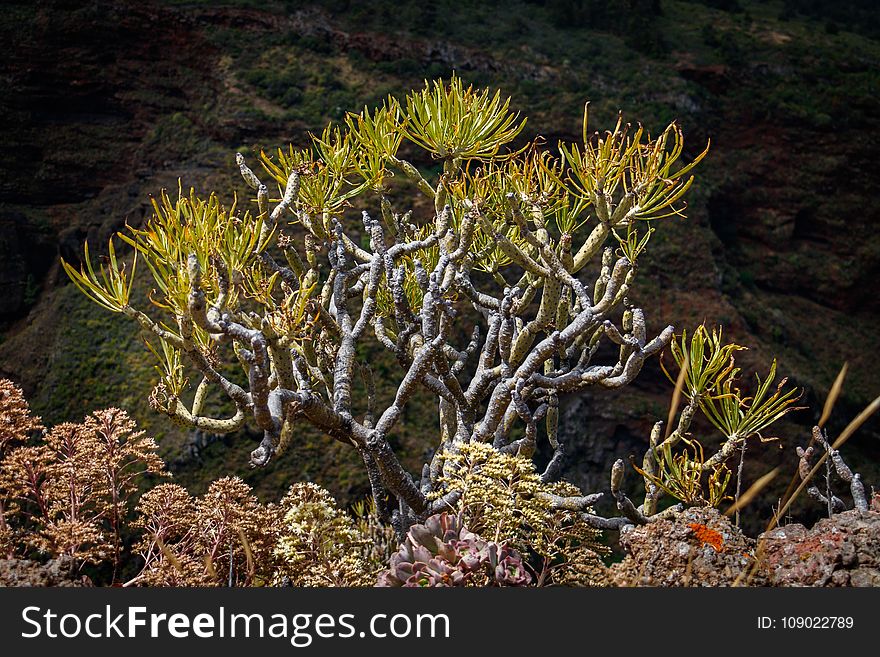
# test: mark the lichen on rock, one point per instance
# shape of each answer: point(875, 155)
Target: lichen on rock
point(698, 547)
point(843, 550)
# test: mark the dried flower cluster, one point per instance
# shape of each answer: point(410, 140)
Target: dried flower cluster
point(68, 494)
point(319, 545)
point(17, 424)
point(503, 498)
point(228, 538)
point(221, 537)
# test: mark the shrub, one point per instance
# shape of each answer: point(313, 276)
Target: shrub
point(67, 495)
point(228, 538)
point(300, 294)
point(503, 498)
point(318, 545)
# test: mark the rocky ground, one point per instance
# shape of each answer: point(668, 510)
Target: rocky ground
point(23, 572)
point(700, 547)
point(843, 550)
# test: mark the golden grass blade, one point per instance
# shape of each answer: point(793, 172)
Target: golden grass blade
point(209, 567)
point(249, 555)
point(169, 555)
point(753, 490)
point(859, 420)
point(676, 396)
point(797, 491)
point(833, 394)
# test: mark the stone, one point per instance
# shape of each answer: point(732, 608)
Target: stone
point(698, 547)
point(843, 550)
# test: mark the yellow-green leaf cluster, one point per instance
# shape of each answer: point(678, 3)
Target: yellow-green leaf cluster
point(217, 236)
point(110, 286)
point(455, 122)
point(630, 176)
point(682, 476)
point(712, 377)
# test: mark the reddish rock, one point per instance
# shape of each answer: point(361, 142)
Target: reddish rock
point(700, 547)
point(843, 550)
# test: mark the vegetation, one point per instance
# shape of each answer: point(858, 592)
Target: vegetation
point(498, 256)
point(507, 236)
point(753, 102)
point(69, 493)
point(251, 326)
point(443, 552)
point(66, 494)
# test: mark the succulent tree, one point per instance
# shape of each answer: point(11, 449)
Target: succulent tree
point(494, 296)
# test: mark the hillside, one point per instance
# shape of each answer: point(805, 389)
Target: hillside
point(108, 102)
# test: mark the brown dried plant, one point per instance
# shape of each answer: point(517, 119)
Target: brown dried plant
point(228, 538)
point(17, 424)
point(167, 518)
point(221, 538)
point(68, 494)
